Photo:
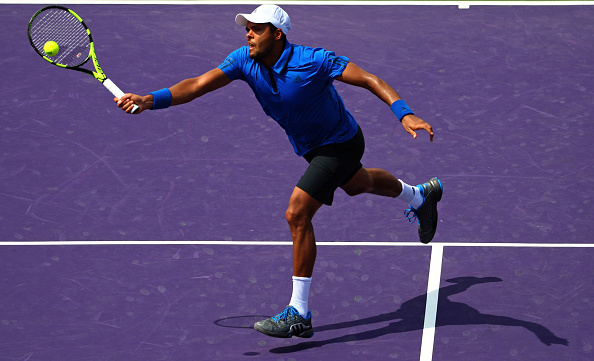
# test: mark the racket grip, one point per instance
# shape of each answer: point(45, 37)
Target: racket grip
point(117, 92)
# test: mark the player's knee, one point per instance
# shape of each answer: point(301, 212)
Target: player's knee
point(301, 210)
point(296, 217)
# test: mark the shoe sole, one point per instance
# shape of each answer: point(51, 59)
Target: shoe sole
point(305, 334)
point(433, 183)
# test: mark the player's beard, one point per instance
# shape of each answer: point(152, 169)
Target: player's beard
point(262, 49)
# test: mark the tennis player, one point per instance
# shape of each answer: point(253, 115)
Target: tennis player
point(293, 84)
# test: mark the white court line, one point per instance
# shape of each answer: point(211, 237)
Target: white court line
point(302, 2)
point(289, 243)
point(431, 306)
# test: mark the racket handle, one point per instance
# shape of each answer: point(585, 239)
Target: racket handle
point(117, 92)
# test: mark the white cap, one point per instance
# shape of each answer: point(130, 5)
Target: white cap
point(266, 14)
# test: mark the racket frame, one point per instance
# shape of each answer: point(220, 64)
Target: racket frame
point(98, 73)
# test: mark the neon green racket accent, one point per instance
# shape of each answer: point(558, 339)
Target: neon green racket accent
point(98, 74)
point(78, 17)
point(76, 47)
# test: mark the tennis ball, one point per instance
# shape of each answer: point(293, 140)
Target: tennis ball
point(51, 48)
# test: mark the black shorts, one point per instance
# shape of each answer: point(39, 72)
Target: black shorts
point(332, 166)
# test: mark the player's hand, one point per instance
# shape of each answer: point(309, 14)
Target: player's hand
point(127, 102)
point(411, 123)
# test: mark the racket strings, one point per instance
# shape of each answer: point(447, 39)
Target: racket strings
point(65, 29)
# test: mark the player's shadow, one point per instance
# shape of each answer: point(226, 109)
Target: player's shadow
point(410, 317)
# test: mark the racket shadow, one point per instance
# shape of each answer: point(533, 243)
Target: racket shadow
point(410, 317)
point(239, 321)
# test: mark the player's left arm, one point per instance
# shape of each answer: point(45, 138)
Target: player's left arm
point(354, 75)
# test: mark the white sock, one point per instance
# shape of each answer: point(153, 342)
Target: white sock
point(300, 296)
point(411, 195)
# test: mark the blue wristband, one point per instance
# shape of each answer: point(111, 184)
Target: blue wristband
point(161, 99)
point(400, 108)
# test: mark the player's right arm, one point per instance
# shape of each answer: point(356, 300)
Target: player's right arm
point(182, 92)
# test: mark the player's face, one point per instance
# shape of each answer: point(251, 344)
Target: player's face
point(260, 38)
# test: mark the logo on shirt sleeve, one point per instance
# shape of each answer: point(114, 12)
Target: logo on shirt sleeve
point(333, 59)
point(227, 63)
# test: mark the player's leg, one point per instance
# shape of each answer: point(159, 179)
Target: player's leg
point(422, 198)
point(300, 212)
point(329, 167)
point(295, 320)
point(373, 180)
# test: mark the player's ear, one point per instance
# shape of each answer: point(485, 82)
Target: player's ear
point(278, 34)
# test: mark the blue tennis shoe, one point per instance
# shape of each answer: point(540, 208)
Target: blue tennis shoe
point(426, 214)
point(286, 324)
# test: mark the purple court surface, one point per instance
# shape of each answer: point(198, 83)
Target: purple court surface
point(145, 237)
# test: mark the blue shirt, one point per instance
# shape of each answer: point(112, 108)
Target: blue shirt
point(298, 93)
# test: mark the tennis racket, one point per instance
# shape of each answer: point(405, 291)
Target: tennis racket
point(75, 45)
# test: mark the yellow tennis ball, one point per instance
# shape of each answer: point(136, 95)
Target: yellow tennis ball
point(51, 48)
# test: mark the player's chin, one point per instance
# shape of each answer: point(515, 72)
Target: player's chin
point(254, 54)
